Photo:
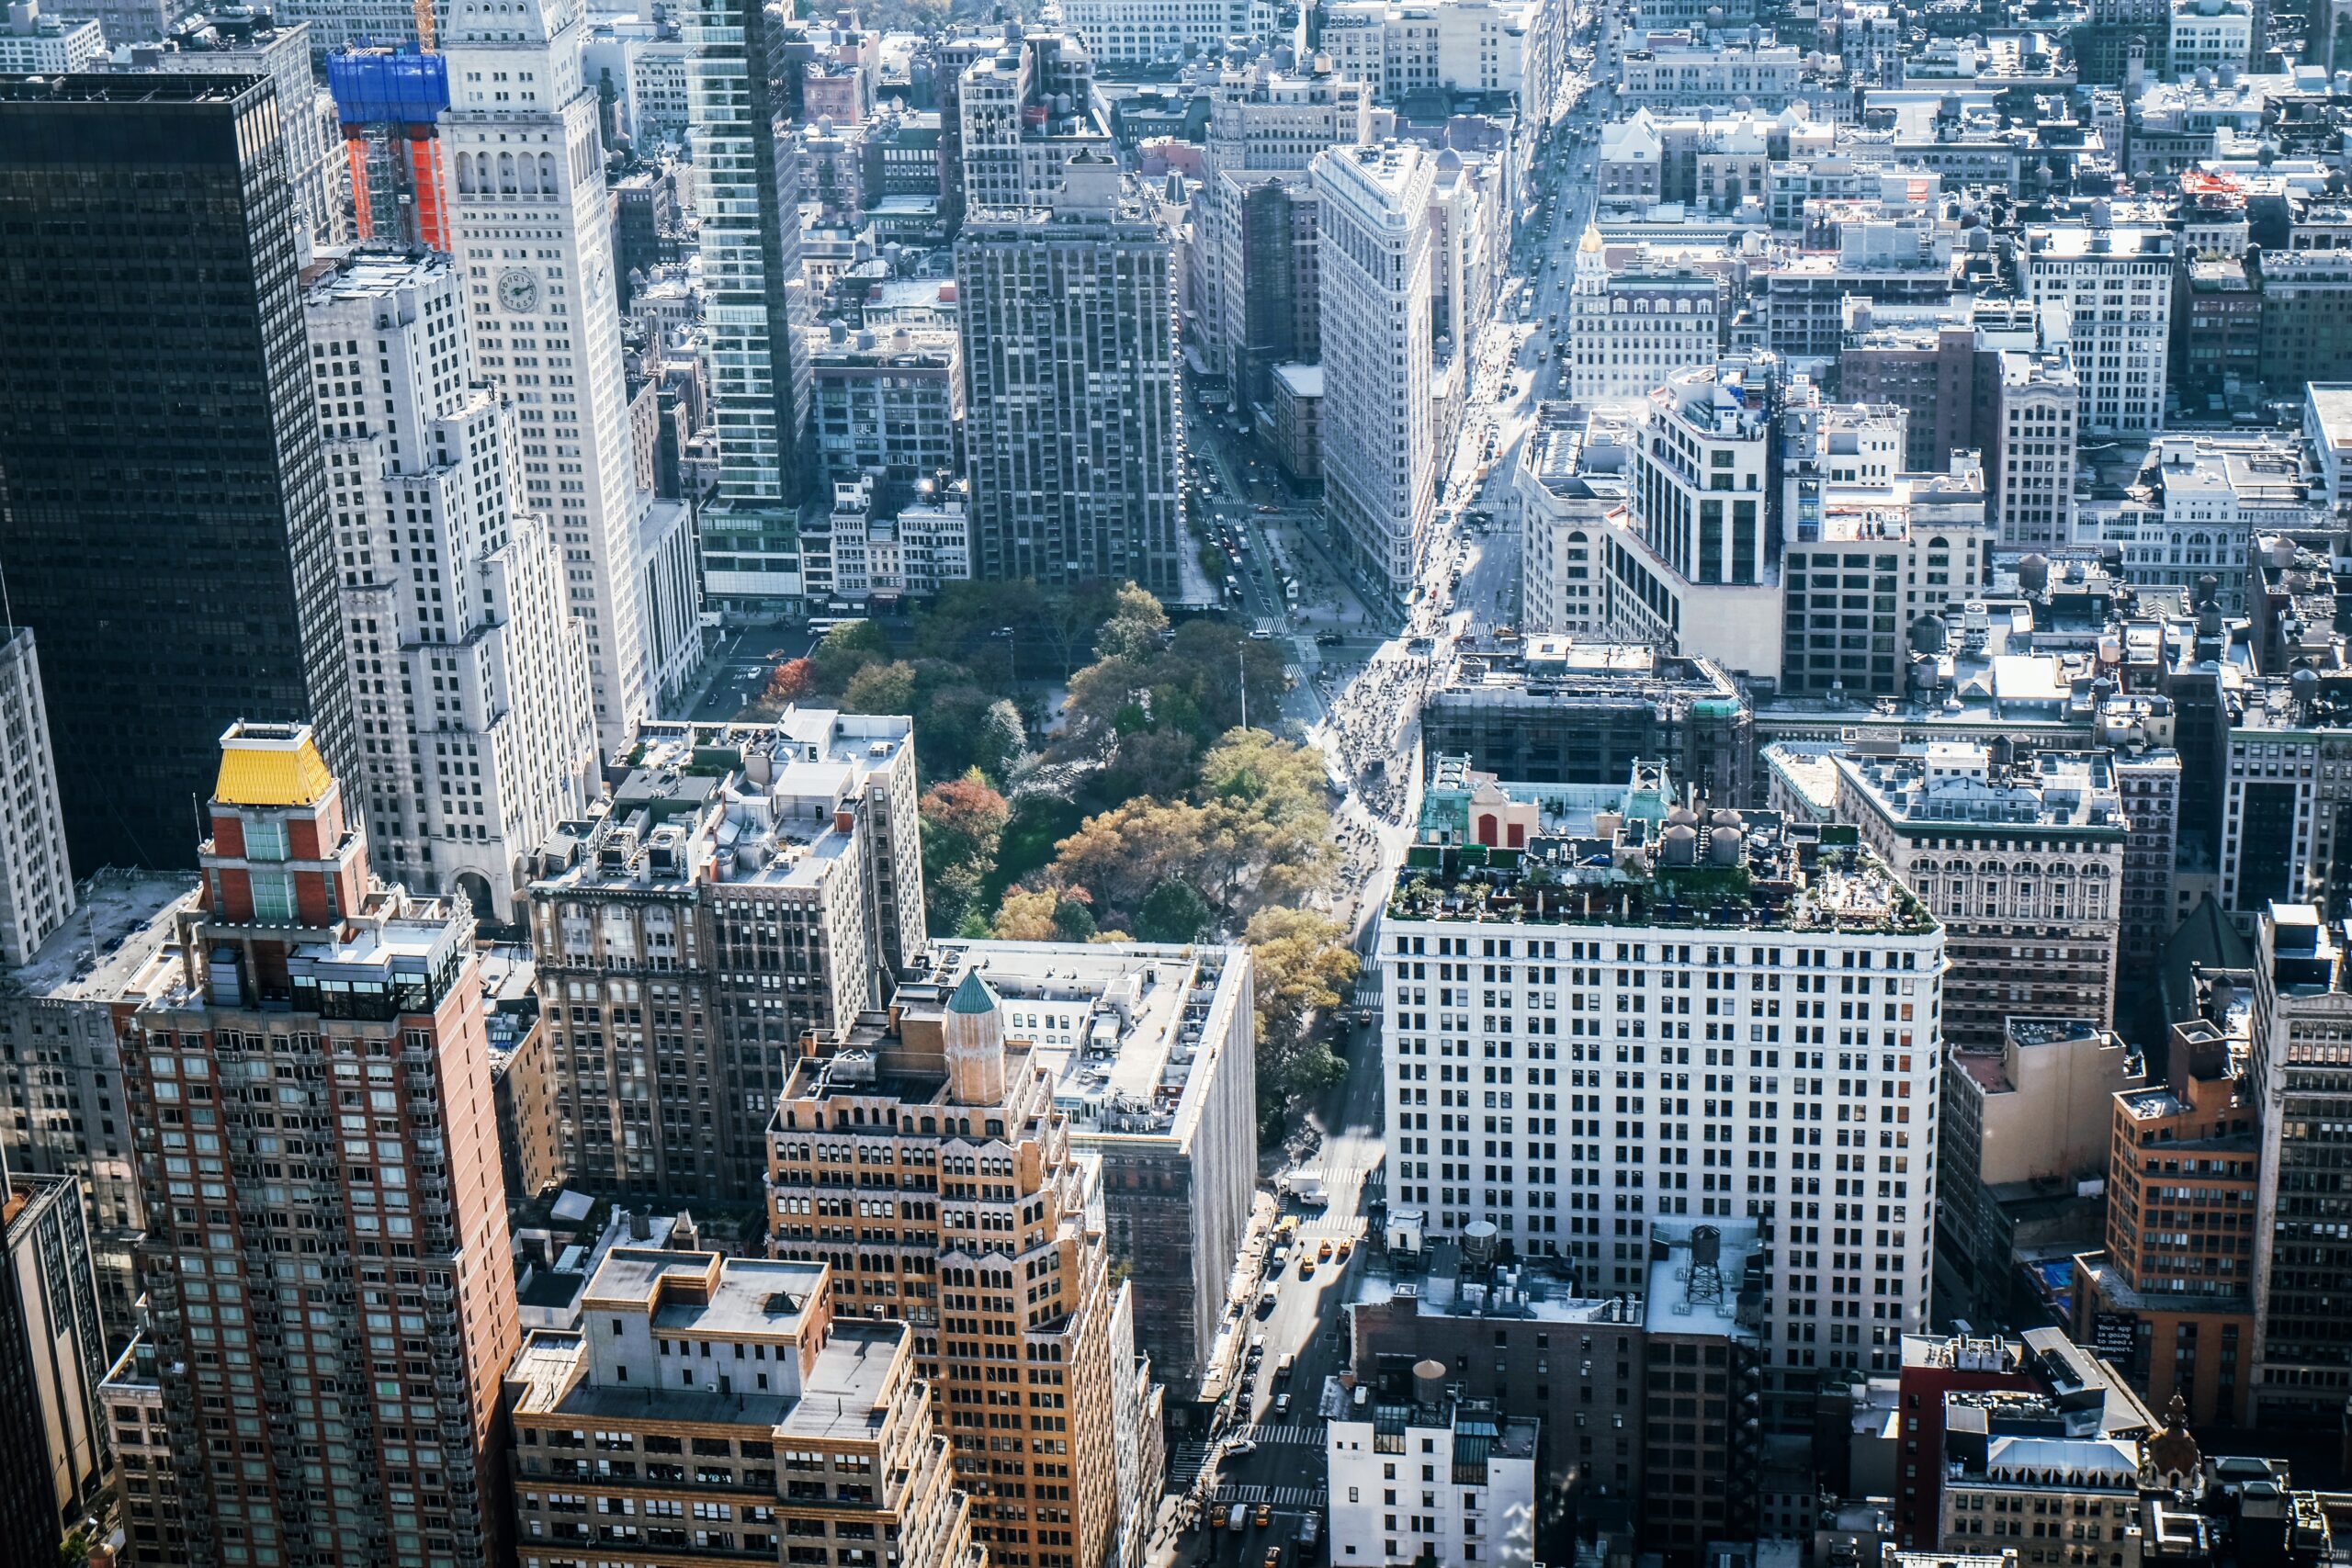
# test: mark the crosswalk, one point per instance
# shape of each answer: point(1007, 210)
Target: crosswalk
point(1184, 1465)
point(1274, 1496)
point(1265, 1433)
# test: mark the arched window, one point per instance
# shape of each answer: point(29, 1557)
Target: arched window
point(547, 173)
point(1486, 827)
point(465, 173)
point(507, 173)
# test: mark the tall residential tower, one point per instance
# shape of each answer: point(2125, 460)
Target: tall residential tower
point(749, 202)
point(327, 1263)
point(1073, 470)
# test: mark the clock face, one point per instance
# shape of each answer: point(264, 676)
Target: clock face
point(518, 291)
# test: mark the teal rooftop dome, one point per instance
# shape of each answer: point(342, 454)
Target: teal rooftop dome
point(973, 995)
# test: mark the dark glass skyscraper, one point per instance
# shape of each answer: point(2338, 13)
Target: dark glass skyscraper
point(163, 517)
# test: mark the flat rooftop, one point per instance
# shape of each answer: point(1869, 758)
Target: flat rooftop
point(2332, 401)
point(1121, 1027)
point(92, 956)
point(1684, 1297)
point(743, 1296)
point(1957, 782)
point(842, 1392)
point(1519, 854)
point(841, 1398)
point(128, 88)
point(2081, 241)
point(1553, 668)
point(1447, 1287)
point(741, 804)
point(417, 943)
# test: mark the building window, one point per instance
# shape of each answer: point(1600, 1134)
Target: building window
point(273, 897)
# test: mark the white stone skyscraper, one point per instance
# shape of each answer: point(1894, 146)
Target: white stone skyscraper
point(533, 228)
point(36, 872)
point(1380, 458)
point(749, 180)
point(469, 683)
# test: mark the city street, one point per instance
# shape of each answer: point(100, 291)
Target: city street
point(1284, 1469)
point(737, 669)
point(1359, 699)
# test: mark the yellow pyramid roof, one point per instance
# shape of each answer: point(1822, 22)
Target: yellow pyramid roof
point(271, 765)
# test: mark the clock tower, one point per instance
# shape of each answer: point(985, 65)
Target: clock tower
point(532, 231)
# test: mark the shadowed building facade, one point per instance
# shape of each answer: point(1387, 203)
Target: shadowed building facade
point(164, 505)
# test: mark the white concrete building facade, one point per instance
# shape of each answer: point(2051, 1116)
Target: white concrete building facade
point(1468, 46)
point(1450, 1482)
point(2117, 284)
point(36, 874)
point(1690, 564)
point(33, 43)
point(1379, 446)
point(1136, 31)
point(469, 682)
point(1604, 1055)
point(1598, 1061)
point(1629, 331)
point(533, 227)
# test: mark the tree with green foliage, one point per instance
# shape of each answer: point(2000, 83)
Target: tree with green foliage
point(1145, 680)
point(1040, 821)
point(951, 721)
point(1257, 832)
point(1173, 911)
point(1300, 964)
point(1134, 628)
point(886, 688)
point(962, 824)
point(1073, 917)
point(1068, 620)
point(1002, 744)
point(849, 647)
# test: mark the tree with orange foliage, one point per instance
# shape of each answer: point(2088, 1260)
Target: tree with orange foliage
point(789, 681)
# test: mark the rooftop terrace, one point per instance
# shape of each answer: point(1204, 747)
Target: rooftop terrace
point(1566, 855)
